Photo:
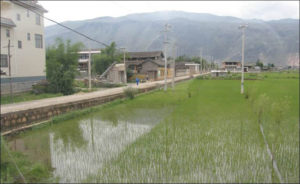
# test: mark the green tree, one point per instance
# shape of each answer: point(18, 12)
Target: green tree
point(271, 65)
point(129, 73)
point(107, 56)
point(183, 58)
point(259, 63)
point(61, 66)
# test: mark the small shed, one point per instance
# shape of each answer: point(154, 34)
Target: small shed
point(114, 73)
point(219, 73)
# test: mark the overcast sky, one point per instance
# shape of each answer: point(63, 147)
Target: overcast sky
point(81, 10)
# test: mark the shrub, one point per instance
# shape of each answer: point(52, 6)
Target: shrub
point(130, 92)
point(81, 83)
point(40, 87)
point(61, 66)
point(100, 84)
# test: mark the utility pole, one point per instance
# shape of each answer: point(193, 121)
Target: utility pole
point(125, 74)
point(201, 60)
point(243, 50)
point(89, 67)
point(166, 29)
point(174, 66)
point(9, 71)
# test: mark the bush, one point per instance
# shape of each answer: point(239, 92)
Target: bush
point(100, 84)
point(130, 92)
point(61, 66)
point(40, 87)
point(81, 83)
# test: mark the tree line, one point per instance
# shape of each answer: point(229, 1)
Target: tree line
point(62, 64)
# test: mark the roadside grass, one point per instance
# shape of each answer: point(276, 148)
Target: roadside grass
point(27, 96)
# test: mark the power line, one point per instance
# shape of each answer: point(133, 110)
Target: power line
point(81, 34)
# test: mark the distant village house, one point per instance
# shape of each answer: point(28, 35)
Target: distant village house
point(83, 58)
point(148, 65)
point(114, 73)
point(232, 65)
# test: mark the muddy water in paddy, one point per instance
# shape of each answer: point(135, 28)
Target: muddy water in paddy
point(80, 147)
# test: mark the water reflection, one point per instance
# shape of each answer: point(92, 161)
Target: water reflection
point(80, 147)
point(104, 138)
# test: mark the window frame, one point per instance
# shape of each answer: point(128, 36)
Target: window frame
point(36, 41)
point(6, 60)
point(28, 37)
point(37, 19)
point(7, 33)
point(19, 44)
point(18, 17)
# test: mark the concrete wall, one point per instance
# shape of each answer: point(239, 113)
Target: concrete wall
point(19, 84)
point(182, 72)
point(17, 87)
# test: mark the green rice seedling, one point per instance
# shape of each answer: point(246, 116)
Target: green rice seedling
point(161, 137)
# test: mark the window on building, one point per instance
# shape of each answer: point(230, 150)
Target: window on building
point(4, 60)
point(28, 36)
point(19, 44)
point(27, 13)
point(84, 56)
point(38, 41)
point(7, 33)
point(18, 16)
point(37, 19)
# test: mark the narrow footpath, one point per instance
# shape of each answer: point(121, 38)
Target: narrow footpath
point(18, 115)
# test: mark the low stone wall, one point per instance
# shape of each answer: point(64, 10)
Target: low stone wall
point(15, 121)
point(19, 119)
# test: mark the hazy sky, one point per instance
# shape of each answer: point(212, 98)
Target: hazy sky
point(81, 10)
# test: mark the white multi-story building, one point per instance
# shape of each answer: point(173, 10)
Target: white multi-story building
point(22, 25)
point(83, 58)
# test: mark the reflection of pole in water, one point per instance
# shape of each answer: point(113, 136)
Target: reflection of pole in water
point(15, 145)
point(92, 132)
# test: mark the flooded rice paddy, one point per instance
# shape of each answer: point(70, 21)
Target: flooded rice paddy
point(203, 131)
point(88, 143)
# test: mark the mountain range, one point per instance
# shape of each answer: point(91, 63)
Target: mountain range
point(214, 37)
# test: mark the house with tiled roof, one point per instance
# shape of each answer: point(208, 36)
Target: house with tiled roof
point(148, 65)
